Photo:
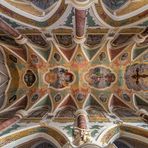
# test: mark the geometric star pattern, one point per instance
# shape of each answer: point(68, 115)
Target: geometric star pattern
point(67, 59)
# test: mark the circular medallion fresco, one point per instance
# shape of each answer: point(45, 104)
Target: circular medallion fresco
point(100, 77)
point(59, 78)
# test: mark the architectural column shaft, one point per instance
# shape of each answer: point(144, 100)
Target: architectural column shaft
point(81, 131)
point(80, 17)
point(8, 29)
point(9, 122)
point(81, 122)
point(12, 32)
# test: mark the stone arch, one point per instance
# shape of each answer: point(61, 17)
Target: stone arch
point(49, 133)
point(121, 109)
point(140, 103)
point(68, 106)
point(35, 140)
point(4, 78)
point(89, 146)
point(120, 142)
point(44, 144)
point(114, 132)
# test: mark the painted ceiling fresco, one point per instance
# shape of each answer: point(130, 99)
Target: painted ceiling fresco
point(73, 70)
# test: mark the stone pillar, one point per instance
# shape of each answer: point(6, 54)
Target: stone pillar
point(81, 131)
point(9, 122)
point(12, 32)
point(81, 122)
point(80, 20)
point(80, 16)
point(8, 29)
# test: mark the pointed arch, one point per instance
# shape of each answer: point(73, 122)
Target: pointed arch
point(49, 133)
point(66, 108)
point(110, 134)
point(140, 103)
point(120, 108)
point(93, 107)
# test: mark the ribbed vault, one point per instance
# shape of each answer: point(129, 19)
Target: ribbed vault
point(78, 65)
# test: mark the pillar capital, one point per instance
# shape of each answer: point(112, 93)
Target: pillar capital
point(80, 112)
point(79, 40)
point(82, 4)
point(21, 40)
point(143, 114)
point(21, 113)
point(139, 38)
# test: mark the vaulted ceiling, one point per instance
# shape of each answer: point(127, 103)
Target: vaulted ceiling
point(60, 56)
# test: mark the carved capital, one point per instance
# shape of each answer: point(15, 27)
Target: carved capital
point(81, 136)
point(82, 4)
point(139, 39)
point(21, 113)
point(21, 40)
